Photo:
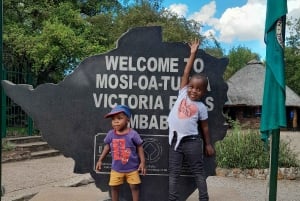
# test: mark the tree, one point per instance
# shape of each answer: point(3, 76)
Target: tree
point(96, 7)
point(238, 57)
point(215, 49)
point(174, 27)
point(46, 38)
point(292, 55)
point(50, 38)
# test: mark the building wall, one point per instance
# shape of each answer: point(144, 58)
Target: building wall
point(249, 117)
point(252, 122)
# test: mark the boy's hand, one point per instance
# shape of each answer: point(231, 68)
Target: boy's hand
point(142, 168)
point(194, 45)
point(98, 166)
point(209, 150)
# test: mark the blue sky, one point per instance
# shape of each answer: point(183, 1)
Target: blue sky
point(232, 22)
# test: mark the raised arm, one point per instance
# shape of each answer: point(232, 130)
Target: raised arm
point(188, 67)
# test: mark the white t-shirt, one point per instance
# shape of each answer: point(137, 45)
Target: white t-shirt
point(184, 116)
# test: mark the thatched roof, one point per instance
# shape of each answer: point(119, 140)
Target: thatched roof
point(246, 86)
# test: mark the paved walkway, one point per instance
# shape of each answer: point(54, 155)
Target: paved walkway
point(52, 179)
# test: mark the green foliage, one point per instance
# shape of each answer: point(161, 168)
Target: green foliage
point(215, 49)
point(292, 55)
point(20, 131)
point(293, 40)
point(7, 146)
point(244, 149)
point(174, 27)
point(95, 7)
point(50, 38)
point(292, 69)
point(238, 58)
point(46, 38)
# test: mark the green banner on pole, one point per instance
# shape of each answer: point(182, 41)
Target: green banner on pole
point(273, 107)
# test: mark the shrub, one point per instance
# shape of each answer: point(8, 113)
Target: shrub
point(7, 146)
point(244, 149)
point(20, 131)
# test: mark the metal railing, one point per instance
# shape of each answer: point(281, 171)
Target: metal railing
point(14, 121)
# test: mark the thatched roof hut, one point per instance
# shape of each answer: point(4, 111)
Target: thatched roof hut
point(245, 94)
point(246, 86)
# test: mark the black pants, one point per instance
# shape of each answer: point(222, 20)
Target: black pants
point(192, 150)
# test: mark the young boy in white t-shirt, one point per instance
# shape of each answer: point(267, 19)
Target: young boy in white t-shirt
point(185, 140)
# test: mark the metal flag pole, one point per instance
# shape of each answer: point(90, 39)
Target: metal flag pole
point(274, 165)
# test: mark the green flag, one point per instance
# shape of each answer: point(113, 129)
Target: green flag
point(273, 107)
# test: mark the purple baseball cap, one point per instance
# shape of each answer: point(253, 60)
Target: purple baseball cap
point(118, 109)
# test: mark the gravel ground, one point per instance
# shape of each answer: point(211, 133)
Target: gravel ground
point(29, 177)
point(24, 178)
point(256, 190)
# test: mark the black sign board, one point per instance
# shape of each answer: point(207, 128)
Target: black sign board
point(156, 153)
point(142, 72)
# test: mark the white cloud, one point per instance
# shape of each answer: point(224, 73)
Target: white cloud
point(179, 9)
point(242, 23)
point(205, 14)
point(293, 12)
point(293, 8)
